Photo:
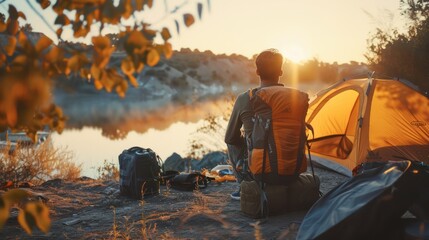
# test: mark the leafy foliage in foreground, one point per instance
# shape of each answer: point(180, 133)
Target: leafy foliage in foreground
point(31, 214)
point(27, 67)
point(36, 165)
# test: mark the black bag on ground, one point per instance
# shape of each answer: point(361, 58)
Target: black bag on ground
point(139, 172)
point(166, 176)
point(188, 181)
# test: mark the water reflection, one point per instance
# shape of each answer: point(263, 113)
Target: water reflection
point(117, 117)
point(91, 148)
point(100, 130)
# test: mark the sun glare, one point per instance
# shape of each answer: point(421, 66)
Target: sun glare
point(295, 54)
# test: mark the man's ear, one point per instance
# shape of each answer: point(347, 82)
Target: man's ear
point(281, 73)
point(257, 72)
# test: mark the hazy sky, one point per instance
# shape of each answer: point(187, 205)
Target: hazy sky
point(330, 30)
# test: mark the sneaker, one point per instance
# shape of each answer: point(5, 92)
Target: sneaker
point(236, 195)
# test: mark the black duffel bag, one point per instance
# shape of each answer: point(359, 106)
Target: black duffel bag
point(140, 170)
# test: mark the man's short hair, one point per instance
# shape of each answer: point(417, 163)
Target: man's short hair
point(269, 64)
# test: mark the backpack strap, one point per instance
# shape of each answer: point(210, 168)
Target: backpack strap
point(301, 150)
point(252, 92)
point(309, 127)
point(263, 199)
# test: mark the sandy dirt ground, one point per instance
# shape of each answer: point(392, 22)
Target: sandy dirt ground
point(92, 209)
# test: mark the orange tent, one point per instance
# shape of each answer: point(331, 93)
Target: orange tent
point(363, 120)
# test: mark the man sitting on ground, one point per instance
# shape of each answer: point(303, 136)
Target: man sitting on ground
point(269, 69)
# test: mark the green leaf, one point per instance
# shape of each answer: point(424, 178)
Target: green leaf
point(188, 19)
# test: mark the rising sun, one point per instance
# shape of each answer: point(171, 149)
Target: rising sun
point(294, 53)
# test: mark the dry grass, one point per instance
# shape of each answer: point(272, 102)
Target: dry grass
point(258, 231)
point(108, 171)
point(37, 164)
point(130, 228)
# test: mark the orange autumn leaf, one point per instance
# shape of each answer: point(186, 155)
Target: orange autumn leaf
point(44, 3)
point(102, 50)
point(43, 43)
point(133, 80)
point(152, 57)
point(165, 33)
point(168, 50)
point(188, 19)
point(41, 215)
point(26, 221)
point(127, 66)
point(149, 3)
point(12, 27)
point(98, 85)
point(3, 26)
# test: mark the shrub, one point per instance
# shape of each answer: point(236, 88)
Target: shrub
point(108, 171)
point(37, 164)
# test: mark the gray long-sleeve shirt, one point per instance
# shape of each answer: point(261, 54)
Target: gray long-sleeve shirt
point(241, 115)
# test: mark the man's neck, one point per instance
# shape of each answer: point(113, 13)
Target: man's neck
point(269, 83)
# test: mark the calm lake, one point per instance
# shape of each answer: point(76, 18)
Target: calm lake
point(97, 131)
point(101, 126)
point(91, 148)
